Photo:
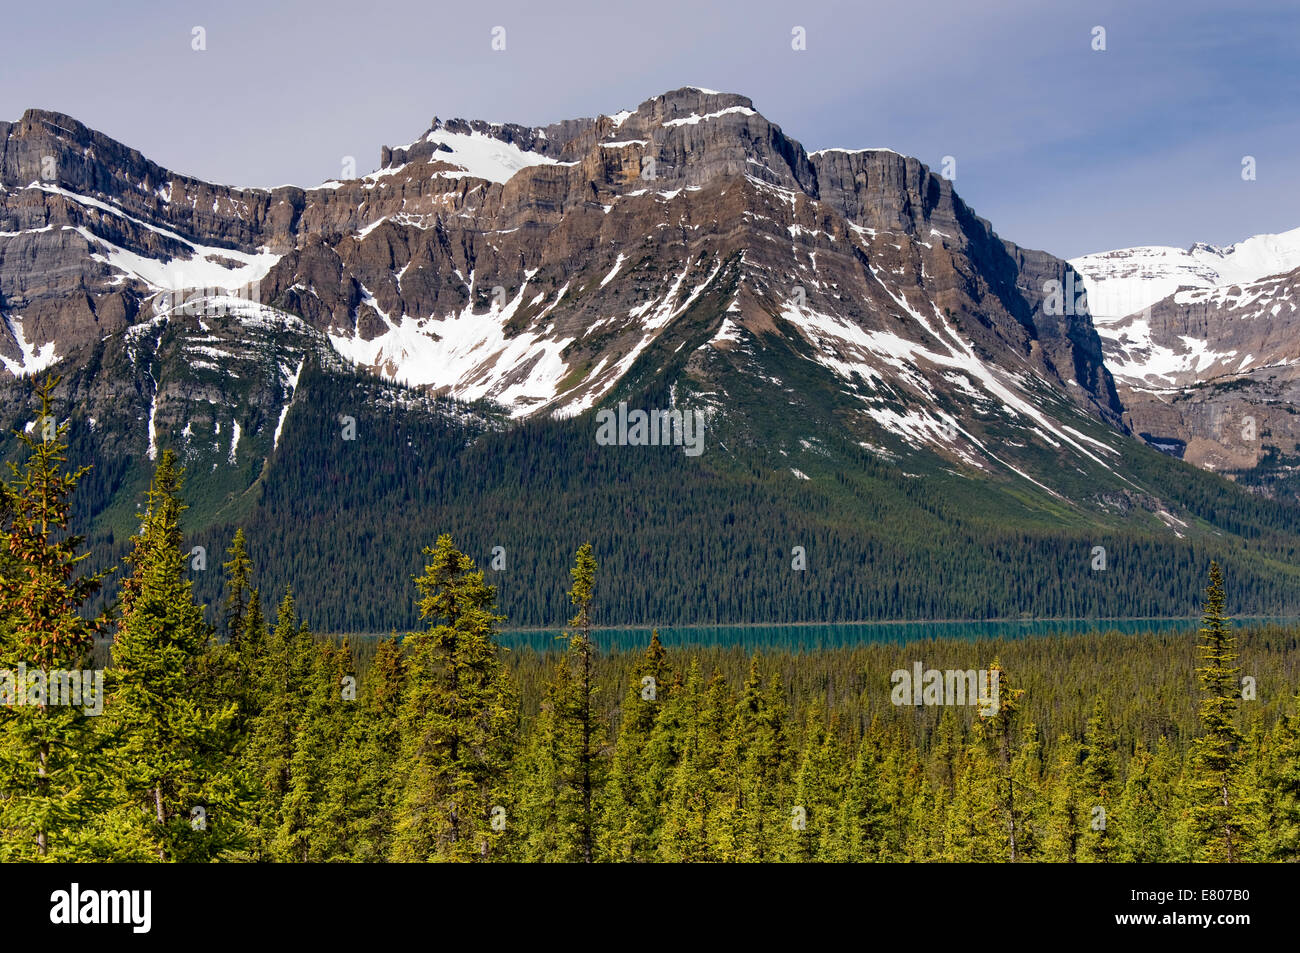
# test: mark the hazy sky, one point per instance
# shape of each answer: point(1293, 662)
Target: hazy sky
point(1061, 147)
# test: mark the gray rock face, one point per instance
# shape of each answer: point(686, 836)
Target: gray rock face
point(1212, 375)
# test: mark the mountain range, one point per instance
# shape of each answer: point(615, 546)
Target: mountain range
point(943, 423)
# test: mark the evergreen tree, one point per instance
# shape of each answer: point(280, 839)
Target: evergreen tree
point(280, 667)
point(696, 823)
point(629, 818)
point(568, 755)
point(862, 817)
point(1144, 812)
point(1099, 787)
point(1216, 818)
point(996, 729)
point(1068, 811)
point(317, 806)
point(589, 774)
point(229, 673)
point(458, 720)
point(1284, 782)
point(759, 749)
point(239, 588)
point(181, 796)
point(818, 790)
point(549, 803)
point(366, 762)
point(53, 776)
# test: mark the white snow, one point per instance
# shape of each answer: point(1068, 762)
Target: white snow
point(1157, 360)
point(855, 151)
point(291, 381)
point(199, 271)
point(847, 348)
point(234, 440)
point(613, 271)
point(1127, 280)
point(466, 353)
point(483, 156)
point(176, 274)
point(32, 359)
point(153, 432)
point(728, 332)
point(694, 118)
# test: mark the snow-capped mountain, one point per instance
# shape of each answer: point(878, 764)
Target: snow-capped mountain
point(1126, 280)
point(540, 267)
point(1202, 346)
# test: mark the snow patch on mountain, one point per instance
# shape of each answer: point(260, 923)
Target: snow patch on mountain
point(31, 359)
point(694, 118)
point(291, 383)
point(465, 354)
point(483, 156)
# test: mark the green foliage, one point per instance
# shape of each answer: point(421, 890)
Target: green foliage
point(444, 747)
point(53, 775)
point(457, 720)
point(1215, 813)
point(181, 799)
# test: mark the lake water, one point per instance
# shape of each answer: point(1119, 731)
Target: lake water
point(848, 634)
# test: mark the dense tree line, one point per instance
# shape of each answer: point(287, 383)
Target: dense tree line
point(253, 739)
point(707, 540)
point(685, 541)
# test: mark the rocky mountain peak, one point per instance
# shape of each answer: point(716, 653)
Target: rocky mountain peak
point(549, 268)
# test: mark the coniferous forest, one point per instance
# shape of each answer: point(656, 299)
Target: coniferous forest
point(233, 732)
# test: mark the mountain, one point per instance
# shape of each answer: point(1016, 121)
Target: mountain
point(352, 368)
point(1202, 346)
point(1126, 280)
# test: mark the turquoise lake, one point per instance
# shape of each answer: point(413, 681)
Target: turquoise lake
point(847, 634)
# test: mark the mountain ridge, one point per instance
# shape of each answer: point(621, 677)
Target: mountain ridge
point(871, 358)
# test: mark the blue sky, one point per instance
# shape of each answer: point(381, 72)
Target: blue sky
point(1059, 146)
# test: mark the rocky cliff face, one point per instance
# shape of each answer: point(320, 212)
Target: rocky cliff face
point(689, 242)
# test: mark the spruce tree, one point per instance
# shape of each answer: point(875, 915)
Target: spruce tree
point(459, 718)
point(759, 749)
point(693, 817)
point(589, 756)
point(181, 796)
point(1216, 818)
point(568, 752)
point(630, 811)
point(239, 588)
point(996, 731)
point(818, 790)
point(316, 812)
point(53, 776)
point(1069, 808)
point(1144, 812)
point(1099, 786)
point(280, 667)
point(863, 816)
point(365, 764)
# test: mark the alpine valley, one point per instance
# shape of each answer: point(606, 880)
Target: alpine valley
point(894, 394)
